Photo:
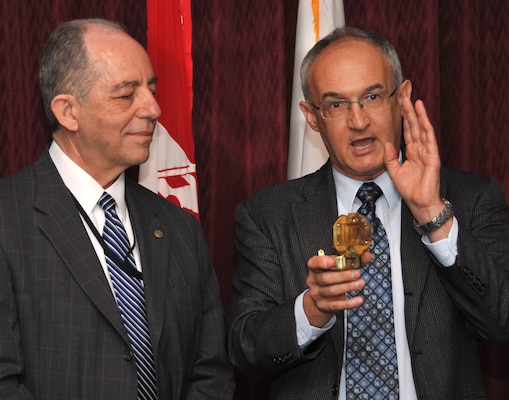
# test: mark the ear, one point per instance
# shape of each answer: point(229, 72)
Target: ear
point(405, 90)
point(64, 109)
point(310, 114)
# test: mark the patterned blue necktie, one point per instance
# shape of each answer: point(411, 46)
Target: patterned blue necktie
point(371, 363)
point(130, 299)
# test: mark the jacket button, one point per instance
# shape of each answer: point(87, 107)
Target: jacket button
point(128, 355)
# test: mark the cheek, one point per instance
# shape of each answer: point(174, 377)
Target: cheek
point(336, 144)
point(335, 132)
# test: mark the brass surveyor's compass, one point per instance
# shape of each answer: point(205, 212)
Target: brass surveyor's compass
point(351, 235)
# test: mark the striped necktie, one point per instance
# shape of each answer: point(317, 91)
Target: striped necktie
point(371, 363)
point(129, 295)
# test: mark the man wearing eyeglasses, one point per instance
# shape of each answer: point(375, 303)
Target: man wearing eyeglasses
point(436, 281)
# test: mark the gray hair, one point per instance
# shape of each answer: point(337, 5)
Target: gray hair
point(64, 65)
point(345, 33)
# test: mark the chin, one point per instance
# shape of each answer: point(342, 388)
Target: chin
point(140, 157)
point(370, 172)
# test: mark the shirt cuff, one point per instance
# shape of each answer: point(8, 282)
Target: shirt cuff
point(307, 334)
point(445, 250)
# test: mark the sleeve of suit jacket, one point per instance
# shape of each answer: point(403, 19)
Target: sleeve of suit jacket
point(271, 271)
point(478, 283)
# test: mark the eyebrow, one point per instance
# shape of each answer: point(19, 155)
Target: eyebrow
point(335, 95)
point(124, 84)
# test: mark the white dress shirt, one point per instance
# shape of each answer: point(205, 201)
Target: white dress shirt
point(87, 192)
point(388, 209)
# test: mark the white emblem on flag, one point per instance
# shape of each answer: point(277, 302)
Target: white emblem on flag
point(175, 179)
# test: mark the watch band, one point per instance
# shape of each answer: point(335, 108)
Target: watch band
point(437, 222)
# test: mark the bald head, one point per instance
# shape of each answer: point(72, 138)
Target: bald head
point(64, 65)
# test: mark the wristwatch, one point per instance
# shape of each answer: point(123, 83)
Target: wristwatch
point(437, 222)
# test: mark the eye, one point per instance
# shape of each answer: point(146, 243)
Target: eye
point(127, 96)
point(372, 98)
point(152, 88)
point(338, 104)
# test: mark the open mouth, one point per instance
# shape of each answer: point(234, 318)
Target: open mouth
point(362, 144)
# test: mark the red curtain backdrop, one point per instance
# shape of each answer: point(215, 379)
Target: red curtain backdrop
point(243, 63)
point(455, 52)
point(240, 118)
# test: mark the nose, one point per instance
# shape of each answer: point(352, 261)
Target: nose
point(357, 118)
point(149, 107)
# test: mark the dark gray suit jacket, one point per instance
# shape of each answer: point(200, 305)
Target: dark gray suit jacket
point(61, 334)
point(447, 310)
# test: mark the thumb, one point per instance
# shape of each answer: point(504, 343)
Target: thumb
point(391, 158)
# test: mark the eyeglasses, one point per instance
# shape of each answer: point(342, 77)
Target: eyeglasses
point(369, 102)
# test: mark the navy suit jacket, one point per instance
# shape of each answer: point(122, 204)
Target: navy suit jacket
point(447, 310)
point(61, 334)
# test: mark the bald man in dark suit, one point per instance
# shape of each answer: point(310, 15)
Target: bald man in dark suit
point(62, 334)
point(448, 233)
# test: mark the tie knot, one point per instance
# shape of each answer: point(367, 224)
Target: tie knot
point(369, 192)
point(107, 202)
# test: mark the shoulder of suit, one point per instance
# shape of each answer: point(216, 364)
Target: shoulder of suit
point(455, 177)
point(281, 194)
point(152, 201)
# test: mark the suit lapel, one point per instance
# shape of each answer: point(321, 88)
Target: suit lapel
point(152, 233)
point(314, 215)
point(64, 229)
point(315, 212)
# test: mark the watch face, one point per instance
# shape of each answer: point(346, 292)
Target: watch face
point(351, 234)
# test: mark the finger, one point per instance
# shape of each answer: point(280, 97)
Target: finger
point(331, 299)
point(338, 276)
point(411, 124)
point(422, 114)
point(339, 304)
point(319, 264)
point(338, 281)
point(325, 287)
point(427, 128)
point(391, 161)
point(366, 257)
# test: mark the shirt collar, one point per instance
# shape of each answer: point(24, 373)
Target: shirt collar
point(84, 188)
point(346, 190)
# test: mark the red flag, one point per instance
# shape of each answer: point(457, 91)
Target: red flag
point(170, 169)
